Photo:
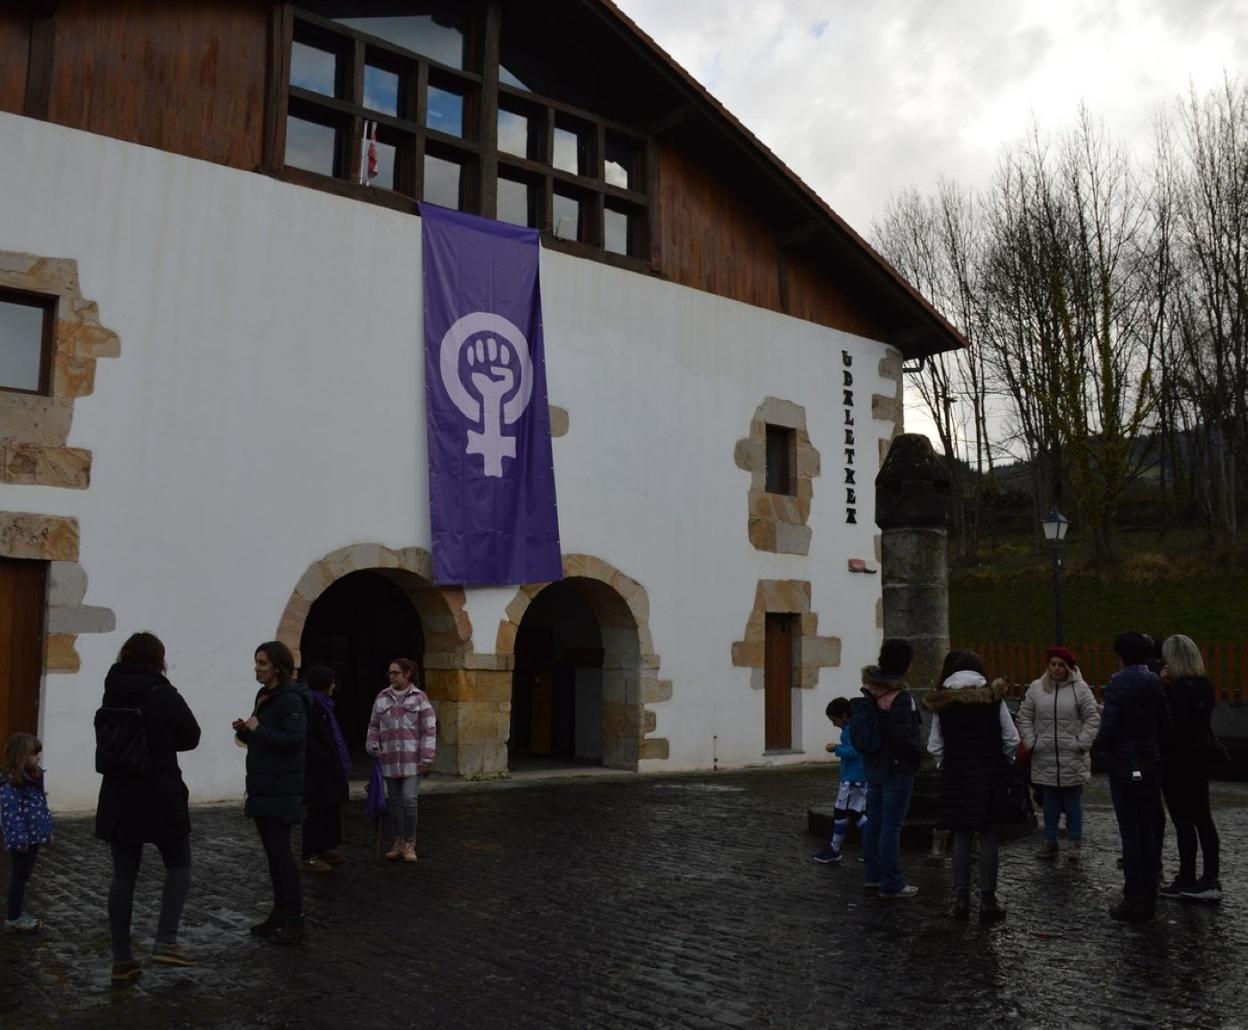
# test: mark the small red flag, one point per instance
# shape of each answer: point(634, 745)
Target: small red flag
point(372, 153)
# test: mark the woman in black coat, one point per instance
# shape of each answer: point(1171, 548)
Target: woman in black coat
point(972, 738)
point(147, 808)
point(1185, 761)
point(275, 736)
point(325, 776)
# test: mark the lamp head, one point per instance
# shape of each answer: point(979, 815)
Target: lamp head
point(1055, 525)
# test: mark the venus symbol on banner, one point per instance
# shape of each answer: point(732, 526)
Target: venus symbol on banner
point(497, 353)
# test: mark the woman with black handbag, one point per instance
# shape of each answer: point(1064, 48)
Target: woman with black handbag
point(973, 739)
point(1185, 761)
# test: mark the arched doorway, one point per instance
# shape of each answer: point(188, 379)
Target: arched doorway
point(557, 684)
point(356, 626)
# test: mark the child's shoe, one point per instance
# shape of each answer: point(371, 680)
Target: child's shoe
point(396, 850)
point(170, 954)
point(25, 923)
point(828, 855)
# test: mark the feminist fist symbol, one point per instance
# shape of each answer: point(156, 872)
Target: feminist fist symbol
point(494, 375)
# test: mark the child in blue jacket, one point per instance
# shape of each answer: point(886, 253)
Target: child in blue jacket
point(851, 794)
point(25, 822)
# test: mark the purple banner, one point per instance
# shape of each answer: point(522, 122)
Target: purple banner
point(491, 474)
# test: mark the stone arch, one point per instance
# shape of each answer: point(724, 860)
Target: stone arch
point(444, 617)
point(630, 666)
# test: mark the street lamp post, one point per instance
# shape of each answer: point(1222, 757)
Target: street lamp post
point(1055, 525)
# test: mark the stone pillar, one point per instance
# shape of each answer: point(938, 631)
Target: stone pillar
point(914, 510)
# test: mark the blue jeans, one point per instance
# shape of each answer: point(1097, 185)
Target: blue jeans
point(401, 795)
point(1055, 800)
point(1137, 826)
point(881, 841)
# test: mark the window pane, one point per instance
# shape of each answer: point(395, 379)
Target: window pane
point(21, 345)
point(618, 163)
point(442, 181)
point(381, 90)
point(439, 36)
point(566, 220)
point(513, 133)
point(781, 442)
point(615, 231)
point(506, 77)
point(514, 202)
point(445, 111)
point(313, 69)
point(570, 151)
point(310, 146)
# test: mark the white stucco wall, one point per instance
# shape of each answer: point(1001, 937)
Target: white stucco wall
point(267, 408)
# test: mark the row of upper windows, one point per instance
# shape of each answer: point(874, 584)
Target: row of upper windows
point(393, 102)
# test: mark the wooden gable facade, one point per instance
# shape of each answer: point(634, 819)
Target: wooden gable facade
point(558, 113)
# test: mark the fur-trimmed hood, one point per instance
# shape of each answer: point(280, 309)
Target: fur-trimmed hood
point(964, 688)
point(877, 681)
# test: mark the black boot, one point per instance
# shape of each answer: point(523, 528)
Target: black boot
point(290, 932)
point(990, 909)
point(270, 925)
point(962, 904)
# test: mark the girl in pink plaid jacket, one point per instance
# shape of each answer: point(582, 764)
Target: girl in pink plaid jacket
point(403, 736)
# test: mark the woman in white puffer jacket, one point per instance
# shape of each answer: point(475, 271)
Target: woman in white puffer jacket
point(1058, 720)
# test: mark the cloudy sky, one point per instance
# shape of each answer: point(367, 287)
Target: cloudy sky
point(864, 98)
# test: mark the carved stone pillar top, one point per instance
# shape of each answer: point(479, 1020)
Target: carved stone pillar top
point(912, 490)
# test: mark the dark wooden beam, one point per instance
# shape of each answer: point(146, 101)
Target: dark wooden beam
point(670, 120)
point(799, 234)
point(39, 66)
point(277, 88)
point(487, 125)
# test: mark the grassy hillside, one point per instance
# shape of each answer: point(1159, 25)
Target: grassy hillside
point(1178, 589)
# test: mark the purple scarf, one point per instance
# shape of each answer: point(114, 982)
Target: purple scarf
point(327, 702)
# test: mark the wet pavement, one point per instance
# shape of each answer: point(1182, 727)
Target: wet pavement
point(632, 902)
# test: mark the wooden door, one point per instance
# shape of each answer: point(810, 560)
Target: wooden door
point(23, 589)
point(778, 683)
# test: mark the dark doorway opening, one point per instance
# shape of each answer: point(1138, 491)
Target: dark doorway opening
point(356, 627)
point(556, 687)
point(778, 681)
point(23, 593)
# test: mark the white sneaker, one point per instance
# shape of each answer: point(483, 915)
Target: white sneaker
point(25, 923)
point(908, 891)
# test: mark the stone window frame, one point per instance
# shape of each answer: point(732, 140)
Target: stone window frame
point(778, 522)
point(811, 651)
point(46, 303)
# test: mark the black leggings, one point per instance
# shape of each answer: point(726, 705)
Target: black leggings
point(22, 864)
point(322, 830)
point(283, 871)
point(1187, 798)
point(127, 858)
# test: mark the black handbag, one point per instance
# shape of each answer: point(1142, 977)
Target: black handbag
point(1009, 799)
point(1217, 753)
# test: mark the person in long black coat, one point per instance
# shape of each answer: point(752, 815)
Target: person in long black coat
point(325, 776)
point(276, 735)
point(151, 808)
point(972, 738)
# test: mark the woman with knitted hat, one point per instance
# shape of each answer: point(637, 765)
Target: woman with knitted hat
point(1058, 720)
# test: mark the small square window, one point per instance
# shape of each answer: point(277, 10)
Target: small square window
point(313, 69)
point(515, 202)
point(442, 181)
point(617, 168)
point(25, 338)
point(566, 218)
point(513, 133)
point(571, 151)
point(381, 90)
point(445, 111)
point(311, 146)
point(781, 460)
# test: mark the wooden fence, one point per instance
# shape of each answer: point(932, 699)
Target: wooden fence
point(1226, 664)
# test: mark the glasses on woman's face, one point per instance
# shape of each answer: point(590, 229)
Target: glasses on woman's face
point(396, 672)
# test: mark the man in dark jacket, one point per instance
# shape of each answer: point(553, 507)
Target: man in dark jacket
point(890, 766)
point(1134, 724)
point(149, 807)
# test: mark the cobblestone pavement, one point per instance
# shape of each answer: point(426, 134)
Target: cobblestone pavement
point(632, 902)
